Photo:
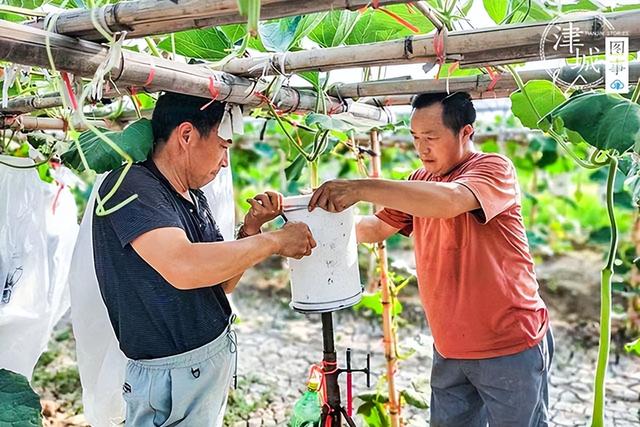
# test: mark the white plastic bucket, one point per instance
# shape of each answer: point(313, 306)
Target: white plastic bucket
point(328, 279)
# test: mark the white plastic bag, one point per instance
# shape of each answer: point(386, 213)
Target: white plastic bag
point(100, 361)
point(36, 244)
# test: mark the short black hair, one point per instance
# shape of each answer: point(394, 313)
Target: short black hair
point(457, 108)
point(172, 109)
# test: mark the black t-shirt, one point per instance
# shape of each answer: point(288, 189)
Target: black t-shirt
point(150, 317)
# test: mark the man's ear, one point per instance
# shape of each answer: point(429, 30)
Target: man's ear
point(184, 133)
point(467, 133)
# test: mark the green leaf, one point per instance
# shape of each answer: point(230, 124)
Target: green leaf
point(580, 5)
point(294, 170)
point(147, 102)
point(280, 35)
point(633, 347)
point(605, 121)
point(544, 151)
point(458, 72)
point(536, 13)
point(633, 183)
point(323, 121)
point(623, 8)
point(373, 302)
point(496, 9)
point(44, 172)
point(415, 398)
point(312, 77)
point(24, 4)
point(335, 28)
point(234, 32)
point(375, 26)
point(601, 235)
point(19, 404)
point(373, 411)
point(308, 24)
point(136, 140)
point(210, 43)
point(545, 97)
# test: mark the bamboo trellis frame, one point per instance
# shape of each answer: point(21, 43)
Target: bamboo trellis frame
point(152, 17)
point(27, 46)
point(396, 91)
point(477, 48)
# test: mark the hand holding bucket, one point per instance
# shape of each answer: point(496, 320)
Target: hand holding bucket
point(328, 279)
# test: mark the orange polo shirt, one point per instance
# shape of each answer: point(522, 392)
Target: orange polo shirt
point(475, 272)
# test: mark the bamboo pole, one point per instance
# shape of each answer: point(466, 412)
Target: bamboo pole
point(25, 45)
point(385, 296)
point(389, 92)
point(477, 85)
point(477, 48)
point(26, 104)
point(31, 123)
point(152, 17)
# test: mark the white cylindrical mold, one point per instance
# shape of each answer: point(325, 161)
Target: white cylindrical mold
point(328, 279)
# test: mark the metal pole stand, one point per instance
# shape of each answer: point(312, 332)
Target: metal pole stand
point(334, 409)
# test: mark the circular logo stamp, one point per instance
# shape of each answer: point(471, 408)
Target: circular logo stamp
point(579, 37)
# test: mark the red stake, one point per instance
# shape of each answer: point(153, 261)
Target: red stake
point(349, 395)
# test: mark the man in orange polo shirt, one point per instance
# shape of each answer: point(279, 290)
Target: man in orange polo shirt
point(493, 344)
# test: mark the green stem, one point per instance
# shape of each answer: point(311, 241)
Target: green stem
point(450, 9)
point(605, 305)
point(173, 47)
point(560, 140)
point(22, 11)
point(35, 165)
point(152, 47)
point(520, 85)
point(636, 93)
point(291, 139)
point(313, 175)
point(596, 155)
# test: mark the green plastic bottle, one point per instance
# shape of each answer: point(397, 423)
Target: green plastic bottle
point(307, 411)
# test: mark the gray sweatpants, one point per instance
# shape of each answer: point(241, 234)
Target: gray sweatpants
point(507, 391)
point(188, 389)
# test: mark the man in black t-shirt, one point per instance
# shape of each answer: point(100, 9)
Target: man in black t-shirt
point(164, 269)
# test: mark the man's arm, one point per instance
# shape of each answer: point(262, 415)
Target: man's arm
point(188, 265)
point(417, 198)
point(371, 229)
point(264, 208)
point(420, 198)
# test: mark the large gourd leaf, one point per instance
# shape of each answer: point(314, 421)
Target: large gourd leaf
point(497, 9)
point(19, 404)
point(283, 34)
point(210, 43)
point(136, 140)
point(375, 25)
point(335, 28)
point(605, 121)
point(545, 97)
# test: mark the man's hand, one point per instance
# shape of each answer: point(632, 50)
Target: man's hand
point(294, 240)
point(264, 208)
point(336, 195)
